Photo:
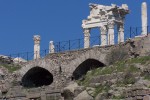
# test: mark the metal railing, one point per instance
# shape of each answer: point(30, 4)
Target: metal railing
point(79, 44)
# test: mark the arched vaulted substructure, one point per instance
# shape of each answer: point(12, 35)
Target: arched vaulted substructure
point(38, 73)
point(88, 59)
point(37, 77)
point(66, 65)
point(85, 66)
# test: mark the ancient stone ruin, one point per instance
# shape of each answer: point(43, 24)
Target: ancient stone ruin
point(36, 39)
point(105, 18)
point(51, 47)
point(144, 18)
point(45, 78)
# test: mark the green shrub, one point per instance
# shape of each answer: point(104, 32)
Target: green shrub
point(117, 55)
point(145, 75)
point(129, 79)
point(120, 84)
point(101, 88)
point(132, 68)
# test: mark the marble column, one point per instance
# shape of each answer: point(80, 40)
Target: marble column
point(103, 35)
point(86, 38)
point(51, 47)
point(144, 18)
point(36, 39)
point(111, 33)
point(120, 33)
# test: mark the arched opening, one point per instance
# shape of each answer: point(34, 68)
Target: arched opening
point(84, 67)
point(37, 77)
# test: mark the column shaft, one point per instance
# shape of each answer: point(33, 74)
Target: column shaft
point(51, 47)
point(120, 33)
point(144, 18)
point(111, 33)
point(36, 39)
point(86, 38)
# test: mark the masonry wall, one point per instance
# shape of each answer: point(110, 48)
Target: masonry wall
point(70, 60)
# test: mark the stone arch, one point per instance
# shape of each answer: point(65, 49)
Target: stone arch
point(36, 77)
point(31, 64)
point(45, 64)
point(85, 66)
point(96, 53)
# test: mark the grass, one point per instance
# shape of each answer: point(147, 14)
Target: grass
point(118, 97)
point(11, 68)
point(120, 84)
point(141, 60)
point(133, 69)
point(107, 70)
point(95, 72)
point(125, 66)
point(120, 66)
point(128, 79)
point(101, 88)
point(147, 77)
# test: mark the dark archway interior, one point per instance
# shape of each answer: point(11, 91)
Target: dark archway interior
point(84, 67)
point(37, 77)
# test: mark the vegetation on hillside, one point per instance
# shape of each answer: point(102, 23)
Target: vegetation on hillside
point(9, 64)
point(11, 68)
point(128, 67)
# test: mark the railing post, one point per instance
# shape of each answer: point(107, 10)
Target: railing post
point(45, 52)
point(69, 44)
point(59, 46)
point(136, 31)
point(10, 57)
point(33, 55)
point(18, 57)
point(147, 29)
point(130, 31)
point(99, 40)
point(79, 43)
point(27, 56)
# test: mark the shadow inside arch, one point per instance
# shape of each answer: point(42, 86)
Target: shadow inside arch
point(84, 67)
point(37, 77)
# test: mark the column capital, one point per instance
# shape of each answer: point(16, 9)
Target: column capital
point(120, 27)
point(111, 24)
point(86, 30)
point(51, 42)
point(36, 39)
point(103, 29)
point(51, 47)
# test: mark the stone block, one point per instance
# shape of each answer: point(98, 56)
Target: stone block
point(147, 97)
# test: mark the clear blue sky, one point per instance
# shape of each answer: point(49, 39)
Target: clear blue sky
point(56, 20)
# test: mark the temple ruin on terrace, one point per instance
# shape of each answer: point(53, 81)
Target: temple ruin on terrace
point(105, 18)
